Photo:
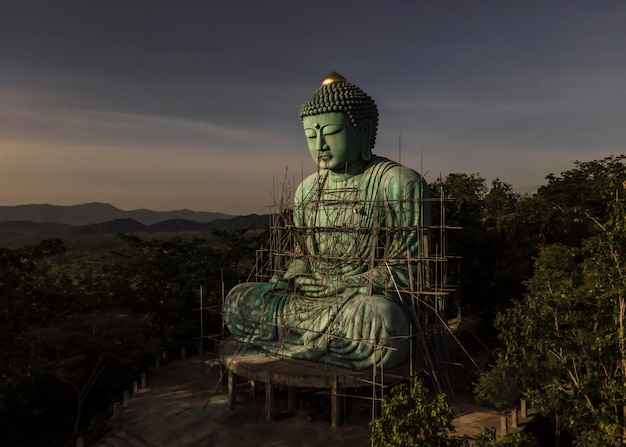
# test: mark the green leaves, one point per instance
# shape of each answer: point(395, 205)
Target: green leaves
point(564, 344)
point(519, 439)
point(76, 325)
point(413, 416)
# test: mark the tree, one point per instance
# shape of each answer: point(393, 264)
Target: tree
point(568, 201)
point(58, 336)
point(499, 205)
point(26, 292)
point(494, 250)
point(79, 348)
point(467, 193)
point(83, 329)
point(412, 416)
point(564, 344)
point(518, 439)
point(506, 248)
point(463, 201)
point(162, 278)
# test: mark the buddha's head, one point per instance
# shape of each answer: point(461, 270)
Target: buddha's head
point(340, 122)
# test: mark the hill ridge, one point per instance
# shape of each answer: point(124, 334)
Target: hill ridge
point(98, 212)
point(19, 230)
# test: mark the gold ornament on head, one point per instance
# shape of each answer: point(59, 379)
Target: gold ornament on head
point(333, 78)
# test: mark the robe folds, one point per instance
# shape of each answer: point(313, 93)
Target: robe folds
point(364, 231)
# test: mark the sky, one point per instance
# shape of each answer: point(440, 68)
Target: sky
point(180, 104)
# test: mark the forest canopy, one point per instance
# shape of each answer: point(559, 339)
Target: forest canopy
point(546, 270)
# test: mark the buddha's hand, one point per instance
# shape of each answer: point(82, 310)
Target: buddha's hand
point(296, 268)
point(280, 283)
point(318, 287)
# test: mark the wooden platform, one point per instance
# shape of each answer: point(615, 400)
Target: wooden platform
point(261, 368)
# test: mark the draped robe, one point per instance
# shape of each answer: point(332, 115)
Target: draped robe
point(362, 230)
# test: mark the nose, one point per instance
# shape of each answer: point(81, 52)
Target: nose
point(321, 143)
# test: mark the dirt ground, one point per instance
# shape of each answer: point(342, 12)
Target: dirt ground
point(185, 404)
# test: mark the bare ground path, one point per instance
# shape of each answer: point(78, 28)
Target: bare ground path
point(185, 404)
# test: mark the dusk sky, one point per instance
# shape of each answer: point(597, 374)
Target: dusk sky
point(194, 104)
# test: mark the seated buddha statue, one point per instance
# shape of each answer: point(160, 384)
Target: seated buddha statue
point(358, 226)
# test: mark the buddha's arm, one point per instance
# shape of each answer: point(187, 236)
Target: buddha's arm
point(385, 276)
point(406, 215)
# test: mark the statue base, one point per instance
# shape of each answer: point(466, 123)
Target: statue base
point(261, 368)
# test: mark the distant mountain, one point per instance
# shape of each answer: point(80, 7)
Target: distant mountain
point(242, 222)
point(94, 213)
point(172, 226)
point(111, 227)
point(20, 229)
point(26, 226)
point(29, 230)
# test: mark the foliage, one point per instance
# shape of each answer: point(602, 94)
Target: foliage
point(78, 327)
point(518, 439)
point(554, 258)
point(412, 416)
point(502, 231)
point(162, 278)
point(564, 342)
point(79, 349)
point(493, 248)
point(570, 202)
point(26, 294)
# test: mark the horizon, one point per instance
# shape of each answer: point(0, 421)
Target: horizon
point(195, 105)
point(117, 207)
point(106, 203)
point(529, 190)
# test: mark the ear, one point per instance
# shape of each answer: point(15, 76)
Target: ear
point(367, 129)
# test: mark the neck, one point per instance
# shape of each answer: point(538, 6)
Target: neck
point(348, 171)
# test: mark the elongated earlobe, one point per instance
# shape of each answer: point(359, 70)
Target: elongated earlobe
point(367, 130)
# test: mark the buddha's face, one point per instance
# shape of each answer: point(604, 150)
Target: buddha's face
point(333, 142)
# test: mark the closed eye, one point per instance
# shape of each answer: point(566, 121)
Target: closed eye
point(332, 129)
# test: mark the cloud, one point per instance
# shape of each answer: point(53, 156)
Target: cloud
point(132, 159)
point(150, 104)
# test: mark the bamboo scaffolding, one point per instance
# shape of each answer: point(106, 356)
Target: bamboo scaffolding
point(427, 294)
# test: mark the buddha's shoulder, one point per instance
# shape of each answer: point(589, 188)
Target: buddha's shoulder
point(310, 181)
point(391, 171)
point(308, 184)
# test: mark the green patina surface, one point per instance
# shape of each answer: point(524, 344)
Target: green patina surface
point(355, 224)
